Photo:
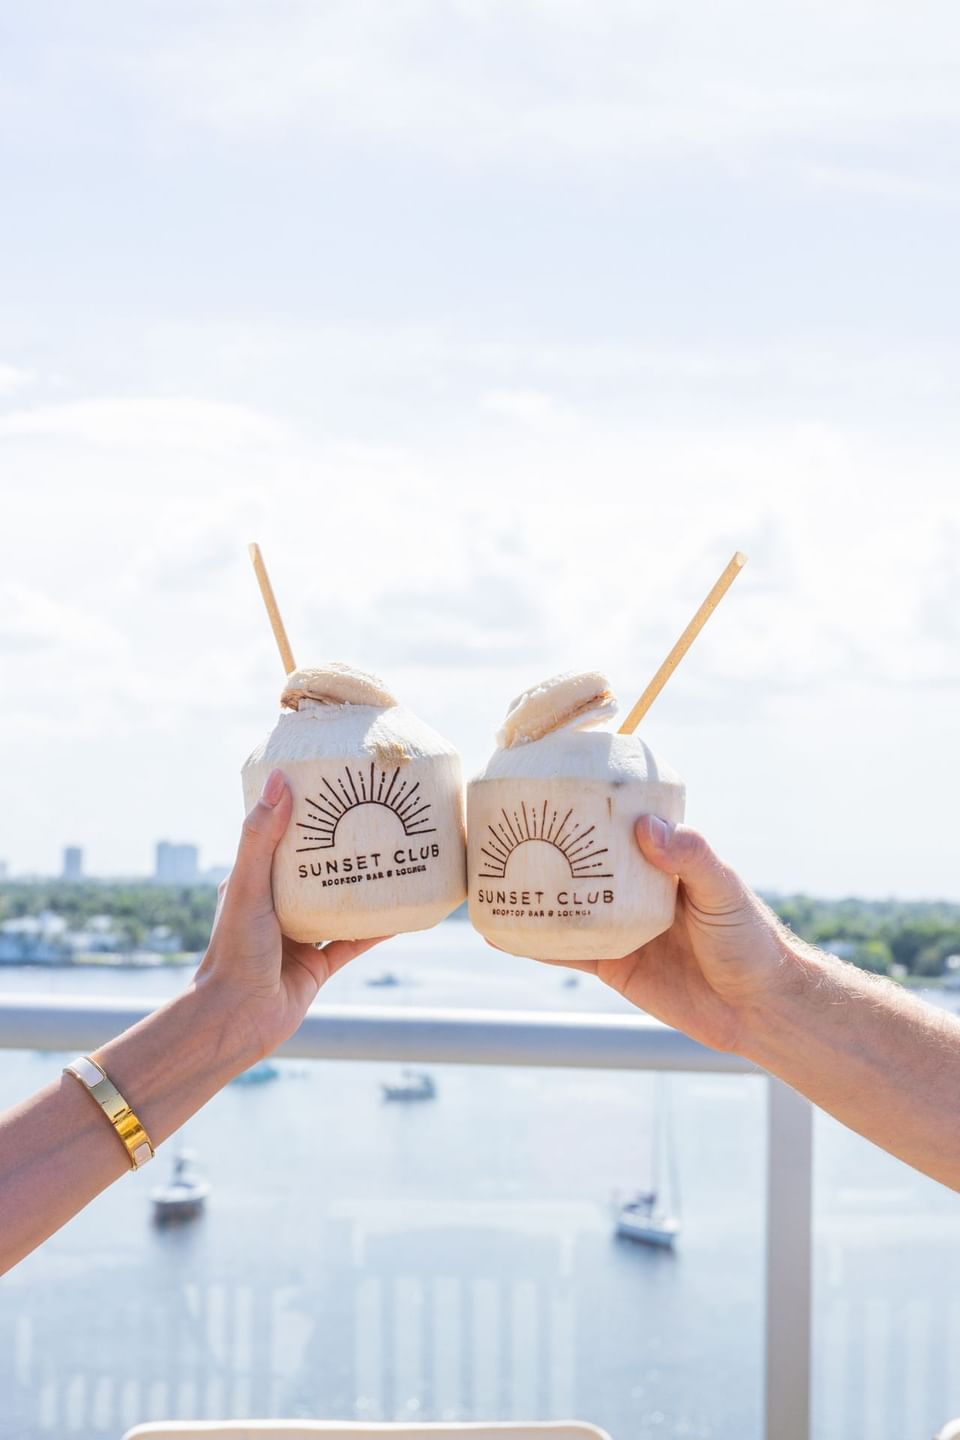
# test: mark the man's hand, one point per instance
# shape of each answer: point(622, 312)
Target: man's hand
point(729, 974)
point(723, 955)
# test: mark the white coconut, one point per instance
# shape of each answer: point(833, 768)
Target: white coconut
point(375, 844)
point(554, 870)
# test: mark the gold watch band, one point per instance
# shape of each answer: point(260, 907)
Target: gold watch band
point(97, 1083)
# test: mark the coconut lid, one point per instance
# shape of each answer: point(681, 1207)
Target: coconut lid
point(335, 684)
point(549, 734)
point(569, 701)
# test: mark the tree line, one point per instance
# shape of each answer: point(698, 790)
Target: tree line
point(886, 936)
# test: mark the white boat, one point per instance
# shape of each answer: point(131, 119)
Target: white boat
point(412, 1085)
point(260, 1071)
point(641, 1218)
point(186, 1194)
point(653, 1216)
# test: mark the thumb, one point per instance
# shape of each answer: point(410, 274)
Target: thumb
point(261, 834)
point(711, 887)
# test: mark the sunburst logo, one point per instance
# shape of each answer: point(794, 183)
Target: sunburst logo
point(358, 787)
point(577, 846)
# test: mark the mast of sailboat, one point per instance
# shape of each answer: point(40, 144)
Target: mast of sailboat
point(673, 1170)
point(655, 1138)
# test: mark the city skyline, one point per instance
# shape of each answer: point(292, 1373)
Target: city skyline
point(74, 870)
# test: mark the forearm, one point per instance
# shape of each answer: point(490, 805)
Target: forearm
point(58, 1150)
point(883, 1062)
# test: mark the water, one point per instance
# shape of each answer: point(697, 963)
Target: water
point(456, 1259)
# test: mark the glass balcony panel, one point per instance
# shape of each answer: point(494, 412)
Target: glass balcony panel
point(452, 1259)
point(886, 1350)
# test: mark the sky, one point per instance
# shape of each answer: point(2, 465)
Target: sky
point(500, 326)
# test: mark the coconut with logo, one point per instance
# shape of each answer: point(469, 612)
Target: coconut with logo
point(554, 869)
point(375, 844)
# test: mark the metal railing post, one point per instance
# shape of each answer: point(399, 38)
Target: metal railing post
point(789, 1259)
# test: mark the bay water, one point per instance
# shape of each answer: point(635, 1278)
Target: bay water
point(457, 1259)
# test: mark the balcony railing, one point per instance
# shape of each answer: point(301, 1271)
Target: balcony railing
point(597, 1042)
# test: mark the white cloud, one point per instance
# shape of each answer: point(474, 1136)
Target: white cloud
point(15, 377)
point(500, 324)
point(35, 622)
point(509, 371)
point(529, 406)
point(885, 184)
point(575, 80)
point(147, 422)
point(462, 573)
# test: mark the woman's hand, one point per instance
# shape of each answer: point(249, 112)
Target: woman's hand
point(270, 979)
point(57, 1151)
point(724, 956)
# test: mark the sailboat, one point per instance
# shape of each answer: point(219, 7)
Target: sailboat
point(652, 1216)
point(185, 1195)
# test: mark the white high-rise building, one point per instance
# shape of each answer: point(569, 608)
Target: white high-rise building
point(176, 864)
point(72, 863)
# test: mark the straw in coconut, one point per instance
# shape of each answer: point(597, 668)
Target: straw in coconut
point(683, 644)
point(273, 612)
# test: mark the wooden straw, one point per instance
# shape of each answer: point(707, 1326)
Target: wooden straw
point(270, 601)
point(683, 644)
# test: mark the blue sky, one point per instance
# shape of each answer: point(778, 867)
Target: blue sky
point(500, 326)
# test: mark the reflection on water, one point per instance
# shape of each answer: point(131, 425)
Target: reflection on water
point(457, 1260)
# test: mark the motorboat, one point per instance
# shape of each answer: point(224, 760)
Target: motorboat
point(186, 1194)
point(412, 1085)
point(259, 1072)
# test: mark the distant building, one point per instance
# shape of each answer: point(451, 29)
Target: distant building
point(4, 869)
point(162, 940)
point(72, 863)
point(34, 940)
point(214, 874)
point(176, 864)
point(99, 936)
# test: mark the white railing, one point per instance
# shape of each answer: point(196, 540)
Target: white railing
point(497, 1037)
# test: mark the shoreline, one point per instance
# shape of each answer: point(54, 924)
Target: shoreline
point(148, 961)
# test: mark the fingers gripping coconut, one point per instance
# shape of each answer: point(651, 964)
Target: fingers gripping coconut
point(722, 958)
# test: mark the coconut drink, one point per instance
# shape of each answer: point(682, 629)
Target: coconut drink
point(554, 869)
point(375, 844)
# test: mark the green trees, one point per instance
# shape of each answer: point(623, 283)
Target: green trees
point(916, 936)
point(884, 936)
point(135, 908)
